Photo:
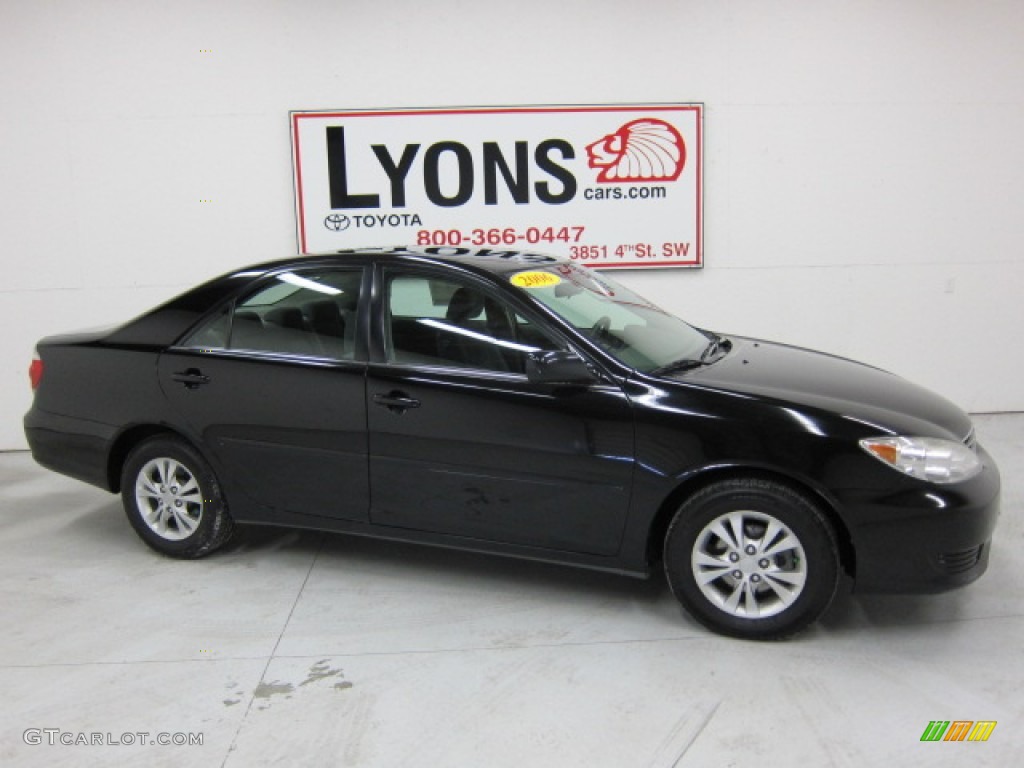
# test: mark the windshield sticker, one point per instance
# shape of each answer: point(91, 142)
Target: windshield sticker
point(535, 279)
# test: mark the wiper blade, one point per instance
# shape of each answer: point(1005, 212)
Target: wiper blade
point(677, 366)
point(718, 343)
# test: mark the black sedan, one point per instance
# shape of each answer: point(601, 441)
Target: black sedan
point(519, 404)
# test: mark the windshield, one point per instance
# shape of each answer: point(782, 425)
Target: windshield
point(628, 327)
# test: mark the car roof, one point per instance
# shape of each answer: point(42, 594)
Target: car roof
point(165, 323)
point(496, 260)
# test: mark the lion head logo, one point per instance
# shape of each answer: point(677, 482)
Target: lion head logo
point(641, 150)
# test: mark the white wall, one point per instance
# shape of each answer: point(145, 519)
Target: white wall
point(864, 160)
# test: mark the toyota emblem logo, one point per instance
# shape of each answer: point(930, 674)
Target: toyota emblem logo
point(337, 222)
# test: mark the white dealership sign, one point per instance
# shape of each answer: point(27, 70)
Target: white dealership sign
point(609, 186)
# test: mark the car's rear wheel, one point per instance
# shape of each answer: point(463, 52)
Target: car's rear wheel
point(752, 558)
point(173, 500)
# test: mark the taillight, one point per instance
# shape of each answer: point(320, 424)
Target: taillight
point(35, 371)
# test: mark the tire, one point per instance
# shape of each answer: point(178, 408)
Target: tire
point(752, 558)
point(173, 500)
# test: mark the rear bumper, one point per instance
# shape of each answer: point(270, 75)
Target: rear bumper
point(925, 538)
point(74, 447)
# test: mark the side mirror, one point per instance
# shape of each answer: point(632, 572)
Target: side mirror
point(558, 367)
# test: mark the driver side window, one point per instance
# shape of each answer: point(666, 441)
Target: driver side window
point(442, 322)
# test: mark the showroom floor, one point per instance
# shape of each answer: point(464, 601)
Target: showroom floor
point(302, 649)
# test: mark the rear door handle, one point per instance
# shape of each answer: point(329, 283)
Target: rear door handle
point(396, 402)
point(191, 378)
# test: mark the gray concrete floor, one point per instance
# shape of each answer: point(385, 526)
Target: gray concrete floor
point(302, 649)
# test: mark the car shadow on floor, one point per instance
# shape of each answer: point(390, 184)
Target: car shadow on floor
point(343, 553)
point(849, 614)
point(104, 526)
point(853, 613)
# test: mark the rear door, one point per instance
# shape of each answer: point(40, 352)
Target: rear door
point(274, 385)
point(462, 443)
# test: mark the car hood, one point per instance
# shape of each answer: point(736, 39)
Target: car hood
point(854, 390)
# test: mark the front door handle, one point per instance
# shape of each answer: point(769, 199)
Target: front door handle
point(191, 378)
point(396, 402)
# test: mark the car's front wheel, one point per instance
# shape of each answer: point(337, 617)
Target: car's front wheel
point(752, 558)
point(173, 500)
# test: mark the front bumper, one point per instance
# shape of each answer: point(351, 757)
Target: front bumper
point(923, 537)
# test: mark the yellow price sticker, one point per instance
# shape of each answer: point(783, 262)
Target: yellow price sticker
point(535, 279)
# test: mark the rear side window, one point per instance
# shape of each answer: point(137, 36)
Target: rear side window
point(307, 314)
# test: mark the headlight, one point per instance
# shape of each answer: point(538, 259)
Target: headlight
point(926, 458)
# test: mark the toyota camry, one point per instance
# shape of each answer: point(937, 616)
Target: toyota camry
point(519, 404)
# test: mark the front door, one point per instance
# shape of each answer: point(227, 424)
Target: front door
point(462, 443)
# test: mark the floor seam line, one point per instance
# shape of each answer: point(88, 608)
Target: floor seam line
point(273, 652)
point(693, 739)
